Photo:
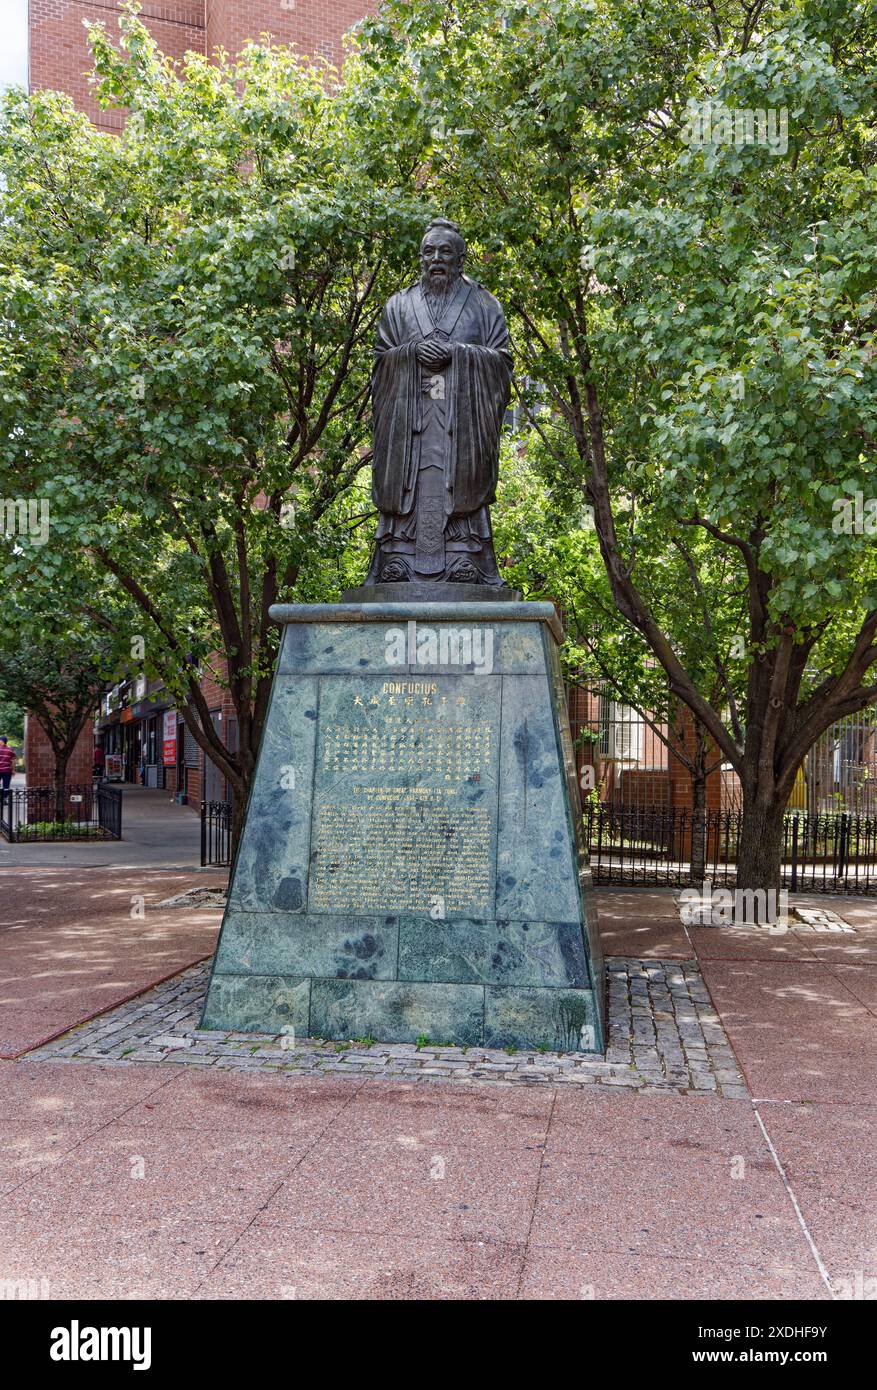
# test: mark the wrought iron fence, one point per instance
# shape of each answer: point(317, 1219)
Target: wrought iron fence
point(639, 845)
point(216, 832)
point(80, 812)
point(840, 771)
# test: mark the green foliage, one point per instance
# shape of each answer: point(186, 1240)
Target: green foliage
point(701, 320)
point(186, 315)
point(58, 830)
point(12, 721)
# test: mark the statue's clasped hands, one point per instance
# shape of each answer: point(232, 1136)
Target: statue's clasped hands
point(433, 354)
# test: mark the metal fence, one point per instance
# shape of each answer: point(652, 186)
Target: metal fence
point(821, 854)
point(216, 832)
point(841, 767)
point(83, 812)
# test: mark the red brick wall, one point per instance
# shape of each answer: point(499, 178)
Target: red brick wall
point(314, 26)
point(59, 56)
point(681, 777)
point(40, 760)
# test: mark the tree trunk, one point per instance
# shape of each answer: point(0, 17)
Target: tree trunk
point(697, 867)
point(759, 853)
point(238, 815)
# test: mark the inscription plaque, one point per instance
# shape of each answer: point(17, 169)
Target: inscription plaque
point(405, 797)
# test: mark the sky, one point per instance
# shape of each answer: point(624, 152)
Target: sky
point(13, 43)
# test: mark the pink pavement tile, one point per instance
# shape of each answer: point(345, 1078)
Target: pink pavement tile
point(641, 925)
point(82, 1090)
point(303, 1264)
point(858, 911)
point(794, 1002)
point(691, 1208)
point(225, 1101)
point(559, 1273)
point(514, 1099)
point(24, 1028)
point(667, 1127)
point(505, 1117)
point(851, 1186)
point(644, 940)
point(860, 980)
point(641, 902)
point(791, 1070)
point(736, 943)
point(185, 1174)
point(113, 1257)
point(28, 1148)
point(826, 1139)
point(422, 1191)
point(857, 949)
point(845, 1234)
point(70, 949)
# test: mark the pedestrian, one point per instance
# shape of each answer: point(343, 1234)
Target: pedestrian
point(7, 767)
point(99, 758)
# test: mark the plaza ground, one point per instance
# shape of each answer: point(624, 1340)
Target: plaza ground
point(725, 1149)
point(156, 833)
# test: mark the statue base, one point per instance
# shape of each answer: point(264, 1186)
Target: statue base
point(440, 592)
point(412, 862)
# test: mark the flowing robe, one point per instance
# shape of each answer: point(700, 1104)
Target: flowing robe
point(451, 418)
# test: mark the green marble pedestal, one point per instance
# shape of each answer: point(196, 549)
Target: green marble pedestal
point(412, 861)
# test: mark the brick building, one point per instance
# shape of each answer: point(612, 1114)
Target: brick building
point(58, 52)
point(39, 758)
point(631, 764)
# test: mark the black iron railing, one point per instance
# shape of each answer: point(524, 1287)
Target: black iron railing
point(80, 812)
point(216, 832)
point(638, 845)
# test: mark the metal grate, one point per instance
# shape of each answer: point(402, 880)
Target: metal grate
point(216, 832)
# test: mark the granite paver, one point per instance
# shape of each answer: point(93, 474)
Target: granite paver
point(663, 1035)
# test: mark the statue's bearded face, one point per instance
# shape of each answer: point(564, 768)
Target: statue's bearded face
point(441, 262)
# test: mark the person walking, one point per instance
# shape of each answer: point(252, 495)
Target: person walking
point(7, 767)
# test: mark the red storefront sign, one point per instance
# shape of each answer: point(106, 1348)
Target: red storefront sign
point(169, 738)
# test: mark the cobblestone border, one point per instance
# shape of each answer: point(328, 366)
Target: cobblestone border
point(664, 1036)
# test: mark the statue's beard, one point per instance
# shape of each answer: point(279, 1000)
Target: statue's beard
point(439, 288)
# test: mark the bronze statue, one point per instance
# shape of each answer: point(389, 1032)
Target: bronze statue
point(440, 389)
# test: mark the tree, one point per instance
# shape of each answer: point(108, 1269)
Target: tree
point(550, 541)
point(60, 683)
point(185, 332)
point(676, 204)
point(11, 720)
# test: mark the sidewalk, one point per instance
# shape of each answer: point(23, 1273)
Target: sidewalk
point(156, 831)
point(76, 942)
point(245, 1171)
